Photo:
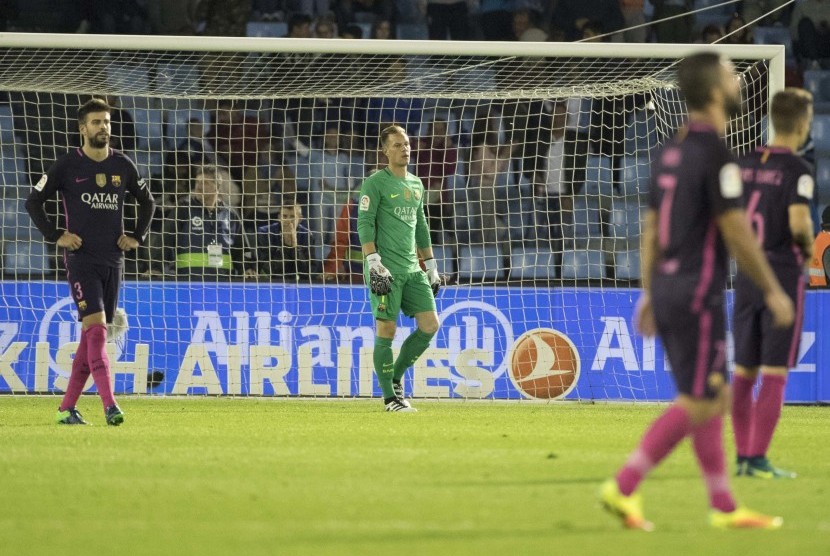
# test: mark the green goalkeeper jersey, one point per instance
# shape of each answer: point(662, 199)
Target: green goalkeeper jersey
point(391, 213)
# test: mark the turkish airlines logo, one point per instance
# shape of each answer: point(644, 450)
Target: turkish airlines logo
point(544, 364)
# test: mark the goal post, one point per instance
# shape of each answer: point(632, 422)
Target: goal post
point(535, 158)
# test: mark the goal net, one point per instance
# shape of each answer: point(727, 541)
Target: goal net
point(535, 159)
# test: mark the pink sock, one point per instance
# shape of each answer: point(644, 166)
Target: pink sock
point(767, 412)
point(658, 442)
point(78, 376)
point(707, 440)
point(742, 411)
point(99, 363)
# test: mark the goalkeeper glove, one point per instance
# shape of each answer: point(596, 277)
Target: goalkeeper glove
point(380, 279)
point(432, 275)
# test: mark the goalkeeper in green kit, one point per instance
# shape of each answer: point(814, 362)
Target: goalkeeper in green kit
point(393, 232)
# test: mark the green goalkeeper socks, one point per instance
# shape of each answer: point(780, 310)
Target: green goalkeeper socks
point(384, 367)
point(411, 350)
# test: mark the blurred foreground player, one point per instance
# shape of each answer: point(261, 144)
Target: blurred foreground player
point(695, 208)
point(778, 189)
point(92, 182)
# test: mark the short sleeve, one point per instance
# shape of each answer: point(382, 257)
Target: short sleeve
point(723, 184)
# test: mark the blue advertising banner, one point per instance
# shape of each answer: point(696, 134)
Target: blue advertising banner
point(288, 340)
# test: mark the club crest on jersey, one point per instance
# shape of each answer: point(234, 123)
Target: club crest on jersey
point(116, 181)
point(100, 180)
point(406, 195)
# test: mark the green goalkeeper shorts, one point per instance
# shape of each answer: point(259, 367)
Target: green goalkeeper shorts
point(411, 293)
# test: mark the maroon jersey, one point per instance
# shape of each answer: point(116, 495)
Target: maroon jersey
point(694, 180)
point(92, 196)
point(774, 179)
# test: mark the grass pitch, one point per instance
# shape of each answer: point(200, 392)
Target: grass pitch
point(263, 476)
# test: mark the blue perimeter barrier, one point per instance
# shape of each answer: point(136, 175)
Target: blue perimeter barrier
point(287, 340)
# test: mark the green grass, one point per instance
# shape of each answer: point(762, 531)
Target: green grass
point(260, 476)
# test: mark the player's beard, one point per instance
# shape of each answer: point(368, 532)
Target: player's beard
point(99, 141)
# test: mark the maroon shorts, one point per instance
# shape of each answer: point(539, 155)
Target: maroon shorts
point(94, 288)
point(695, 342)
point(757, 341)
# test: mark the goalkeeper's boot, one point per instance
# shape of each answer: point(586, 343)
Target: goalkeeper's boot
point(762, 468)
point(628, 508)
point(70, 416)
point(114, 415)
point(398, 388)
point(743, 518)
point(397, 404)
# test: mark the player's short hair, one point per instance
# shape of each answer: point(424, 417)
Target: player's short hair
point(699, 75)
point(789, 108)
point(91, 106)
point(393, 129)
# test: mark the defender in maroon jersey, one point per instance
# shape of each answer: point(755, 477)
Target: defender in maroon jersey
point(92, 182)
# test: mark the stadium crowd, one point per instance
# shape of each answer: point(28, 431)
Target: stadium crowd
point(497, 173)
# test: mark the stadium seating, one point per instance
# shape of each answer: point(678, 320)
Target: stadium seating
point(636, 174)
point(266, 29)
point(625, 221)
point(775, 35)
point(818, 83)
point(6, 125)
point(25, 258)
point(532, 263)
point(585, 219)
point(640, 132)
point(445, 258)
point(583, 265)
point(627, 265)
point(599, 179)
point(823, 179)
point(477, 263)
point(412, 31)
point(821, 133)
point(149, 128)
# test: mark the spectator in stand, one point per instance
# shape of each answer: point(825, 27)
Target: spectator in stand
point(384, 111)
point(674, 30)
point(448, 19)
point(522, 21)
point(733, 35)
point(324, 29)
point(299, 26)
point(810, 28)
point(436, 158)
point(820, 261)
point(283, 246)
point(123, 127)
point(192, 151)
point(382, 29)
point(330, 186)
point(205, 239)
point(710, 34)
point(237, 139)
point(224, 18)
point(314, 8)
point(488, 172)
point(633, 16)
point(572, 15)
